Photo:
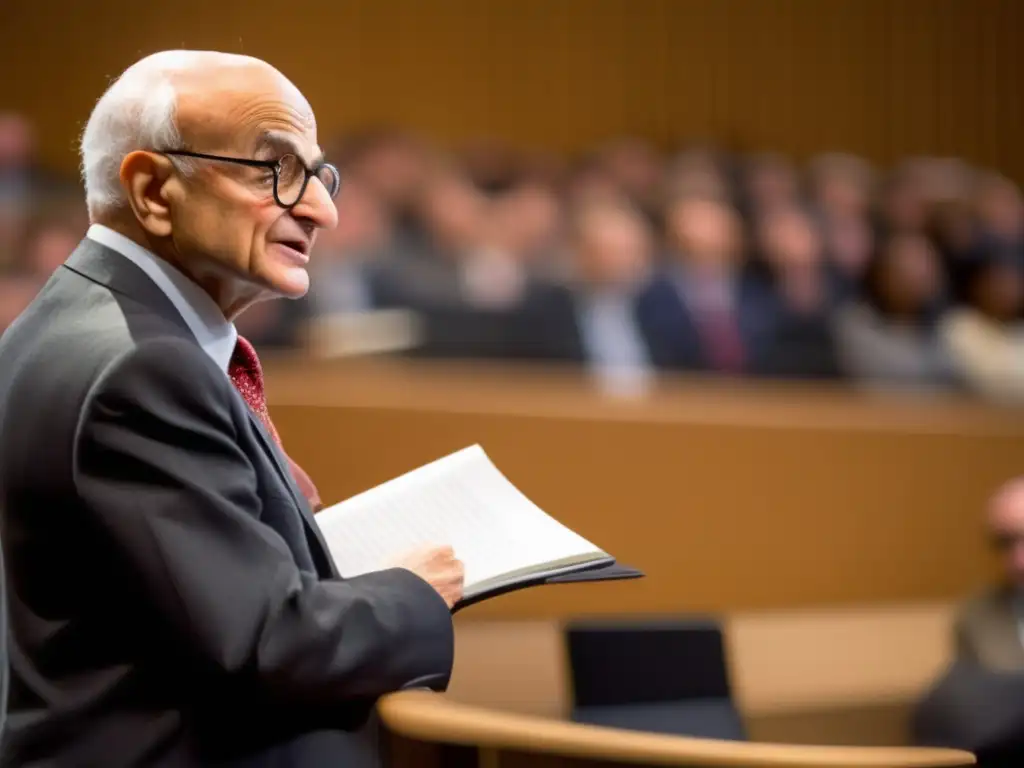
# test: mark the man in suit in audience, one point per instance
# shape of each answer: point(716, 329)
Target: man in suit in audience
point(593, 319)
point(702, 313)
point(990, 627)
point(172, 601)
point(978, 703)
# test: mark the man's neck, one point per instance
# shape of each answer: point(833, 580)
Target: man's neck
point(231, 297)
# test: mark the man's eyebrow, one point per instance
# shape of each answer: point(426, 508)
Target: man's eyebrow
point(280, 143)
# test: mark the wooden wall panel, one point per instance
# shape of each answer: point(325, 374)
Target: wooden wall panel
point(730, 499)
point(882, 77)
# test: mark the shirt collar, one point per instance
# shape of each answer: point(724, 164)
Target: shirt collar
point(215, 334)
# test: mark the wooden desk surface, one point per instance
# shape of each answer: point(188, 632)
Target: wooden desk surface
point(730, 496)
point(431, 717)
point(564, 393)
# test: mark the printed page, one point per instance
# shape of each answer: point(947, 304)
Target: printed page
point(462, 500)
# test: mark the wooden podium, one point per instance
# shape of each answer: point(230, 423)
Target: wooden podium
point(432, 718)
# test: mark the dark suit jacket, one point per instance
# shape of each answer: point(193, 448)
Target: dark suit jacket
point(669, 326)
point(548, 327)
point(171, 600)
point(987, 632)
point(976, 709)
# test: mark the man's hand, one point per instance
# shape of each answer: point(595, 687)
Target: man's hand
point(439, 568)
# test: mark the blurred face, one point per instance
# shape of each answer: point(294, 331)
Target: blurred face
point(15, 296)
point(525, 222)
point(13, 221)
point(636, 167)
point(454, 213)
point(698, 181)
point(706, 234)
point(1006, 528)
point(842, 196)
point(790, 241)
point(906, 209)
point(613, 248)
point(393, 169)
point(1002, 211)
point(591, 185)
point(221, 223)
point(850, 242)
point(51, 248)
point(954, 227)
point(999, 292)
point(362, 225)
point(912, 277)
point(16, 142)
point(772, 183)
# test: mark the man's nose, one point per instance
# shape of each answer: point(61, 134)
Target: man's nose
point(316, 206)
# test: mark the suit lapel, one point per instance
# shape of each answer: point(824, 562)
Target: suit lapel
point(101, 265)
point(98, 263)
point(1004, 633)
point(321, 555)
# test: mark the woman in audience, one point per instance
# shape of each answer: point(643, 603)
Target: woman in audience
point(985, 337)
point(890, 336)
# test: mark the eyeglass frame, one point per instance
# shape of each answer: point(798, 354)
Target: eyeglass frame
point(271, 165)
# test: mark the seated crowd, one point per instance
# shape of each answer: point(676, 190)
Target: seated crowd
point(630, 261)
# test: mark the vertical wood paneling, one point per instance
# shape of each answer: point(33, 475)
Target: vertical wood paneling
point(882, 77)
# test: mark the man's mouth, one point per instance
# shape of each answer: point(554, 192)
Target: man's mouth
point(300, 247)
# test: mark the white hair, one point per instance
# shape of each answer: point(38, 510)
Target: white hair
point(137, 112)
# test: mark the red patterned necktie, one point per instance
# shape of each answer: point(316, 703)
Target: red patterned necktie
point(725, 345)
point(247, 375)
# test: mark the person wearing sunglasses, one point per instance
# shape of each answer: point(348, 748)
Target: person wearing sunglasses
point(990, 627)
point(173, 601)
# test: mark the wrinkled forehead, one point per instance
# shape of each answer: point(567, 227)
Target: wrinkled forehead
point(246, 111)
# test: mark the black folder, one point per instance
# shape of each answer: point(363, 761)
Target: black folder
point(603, 570)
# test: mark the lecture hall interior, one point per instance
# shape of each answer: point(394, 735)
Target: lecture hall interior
point(656, 257)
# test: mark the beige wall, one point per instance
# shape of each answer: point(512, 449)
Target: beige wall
point(818, 676)
point(882, 77)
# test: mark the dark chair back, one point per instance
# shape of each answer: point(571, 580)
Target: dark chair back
point(666, 676)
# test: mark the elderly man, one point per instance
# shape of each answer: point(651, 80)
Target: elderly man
point(990, 628)
point(978, 703)
point(172, 602)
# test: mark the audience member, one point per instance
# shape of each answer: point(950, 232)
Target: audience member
point(701, 313)
point(1000, 211)
point(849, 243)
point(637, 170)
point(985, 336)
point(890, 336)
point(17, 159)
point(16, 293)
point(49, 246)
point(737, 265)
point(349, 268)
point(990, 627)
point(592, 319)
point(978, 703)
point(792, 256)
point(841, 187)
point(770, 181)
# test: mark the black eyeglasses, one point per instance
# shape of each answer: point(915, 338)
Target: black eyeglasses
point(291, 174)
point(1005, 540)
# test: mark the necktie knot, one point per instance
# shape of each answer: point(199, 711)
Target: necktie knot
point(246, 374)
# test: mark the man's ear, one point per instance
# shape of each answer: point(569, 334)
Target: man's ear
point(146, 178)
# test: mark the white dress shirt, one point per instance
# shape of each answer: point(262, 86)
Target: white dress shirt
point(215, 334)
point(611, 335)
